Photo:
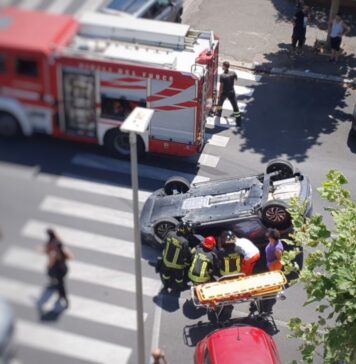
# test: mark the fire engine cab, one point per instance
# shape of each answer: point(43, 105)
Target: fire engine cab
point(80, 79)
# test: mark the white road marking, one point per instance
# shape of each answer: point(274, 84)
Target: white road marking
point(114, 165)
point(80, 307)
point(32, 261)
point(58, 7)
point(199, 179)
point(217, 140)
point(60, 342)
point(208, 160)
point(227, 106)
point(243, 75)
point(29, 4)
point(90, 5)
point(87, 211)
point(100, 188)
point(243, 91)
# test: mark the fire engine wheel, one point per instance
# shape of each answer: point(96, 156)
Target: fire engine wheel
point(274, 214)
point(118, 144)
point(9, 125)
point(161, 228)
point(284, 168)
point(176, 185)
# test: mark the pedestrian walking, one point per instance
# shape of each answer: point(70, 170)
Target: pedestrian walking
point(274, 250)
point(57, 267)
point(226, 91)
point(247, 249)
point(338, 29)
point(300, 22)
point(176, 257)
point(205, 262)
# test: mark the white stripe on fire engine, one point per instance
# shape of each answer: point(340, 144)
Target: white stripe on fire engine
point(47, 339)
point(100, 188)
point(32, 261)
point(74, 238)
point(58, 7)
point(14, 92)
point(80, 307)
point(86, 211)
point(144, 171)
point(243, 75)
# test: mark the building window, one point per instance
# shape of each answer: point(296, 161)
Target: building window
point(26, 67)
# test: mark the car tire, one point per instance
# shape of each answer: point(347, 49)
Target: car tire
point(176, 185)
point(118, 144)
point(9, 125)
point(274, 214)
point(161, 228)
point(284, 168)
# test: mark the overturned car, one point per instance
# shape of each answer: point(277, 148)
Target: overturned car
point(247, 205)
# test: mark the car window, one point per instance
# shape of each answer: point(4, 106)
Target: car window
point(26, 67)
point(2, 64)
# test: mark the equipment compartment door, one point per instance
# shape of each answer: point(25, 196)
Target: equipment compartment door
point(79, 103)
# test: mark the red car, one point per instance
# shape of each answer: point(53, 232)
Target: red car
point(237, 345)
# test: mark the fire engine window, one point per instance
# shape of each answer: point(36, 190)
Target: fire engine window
point(117, 108)
point(26, 67)
point(2, 64)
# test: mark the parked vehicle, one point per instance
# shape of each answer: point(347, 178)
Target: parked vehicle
point(7, 330)
point(237, 345)
point(166, 10)
point(246, 205)
point(80, 81)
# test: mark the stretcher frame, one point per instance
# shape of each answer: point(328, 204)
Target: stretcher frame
point(255, 296)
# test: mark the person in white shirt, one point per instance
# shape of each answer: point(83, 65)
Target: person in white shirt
point(338, 29)
point(248, 251)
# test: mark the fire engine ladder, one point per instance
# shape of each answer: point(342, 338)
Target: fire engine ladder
point(191, 38)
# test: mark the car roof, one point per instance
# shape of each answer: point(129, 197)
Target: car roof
point(240, 345)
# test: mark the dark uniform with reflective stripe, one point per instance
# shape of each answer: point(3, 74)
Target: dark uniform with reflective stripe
point(203, 266)
point(176, 257)
point(229, 260)
point(227, 80)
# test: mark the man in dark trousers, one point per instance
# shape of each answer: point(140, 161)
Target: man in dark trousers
point(300, 21)
point(176, 257)
point(227, 80)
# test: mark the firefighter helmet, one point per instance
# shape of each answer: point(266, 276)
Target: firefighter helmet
point(184, 227)
point(209, 242)
point(229, 237)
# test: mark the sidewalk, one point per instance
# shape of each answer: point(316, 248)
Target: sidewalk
point(258, 38)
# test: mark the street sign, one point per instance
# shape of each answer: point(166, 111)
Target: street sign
point(138, 120)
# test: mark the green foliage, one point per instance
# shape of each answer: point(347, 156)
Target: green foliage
point(328, 276)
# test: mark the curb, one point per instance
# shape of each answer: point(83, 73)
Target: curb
point(285, 72)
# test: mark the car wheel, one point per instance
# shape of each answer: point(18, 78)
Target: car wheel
point(176, 185)
point(9, 125)
point(275, 214)
point(161, 228)
point(284, 168)
point(118, 144)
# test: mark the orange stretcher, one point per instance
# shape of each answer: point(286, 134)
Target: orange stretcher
point(238, 289)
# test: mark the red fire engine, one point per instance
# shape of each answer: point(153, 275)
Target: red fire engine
point(80, 79)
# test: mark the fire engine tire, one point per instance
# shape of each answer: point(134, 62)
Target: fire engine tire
point(284, 168)
point(9, 125)
point(161, 228)
point(274, 214)
point(176, 185)
point(118, 144)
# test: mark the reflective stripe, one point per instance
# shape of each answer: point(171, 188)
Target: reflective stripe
point(171, 244)
point(165, 277)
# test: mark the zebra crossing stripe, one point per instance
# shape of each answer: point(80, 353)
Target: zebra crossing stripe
point(208, 160)
point(80, 307)
point(117, 166)
point(86, 211)
point(75, 238)
point(28, 260)
point(217, 140)
point(29, 4)
point(90, 5)
point(100, 188)
point(65, 343)
point(58, 7)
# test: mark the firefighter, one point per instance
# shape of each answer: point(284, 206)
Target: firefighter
point(176, 257)
point(227, 91)
point(249, 252)
point(229, 255)
point(204, 262)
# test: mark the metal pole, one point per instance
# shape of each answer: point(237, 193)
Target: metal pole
point(137, 237)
